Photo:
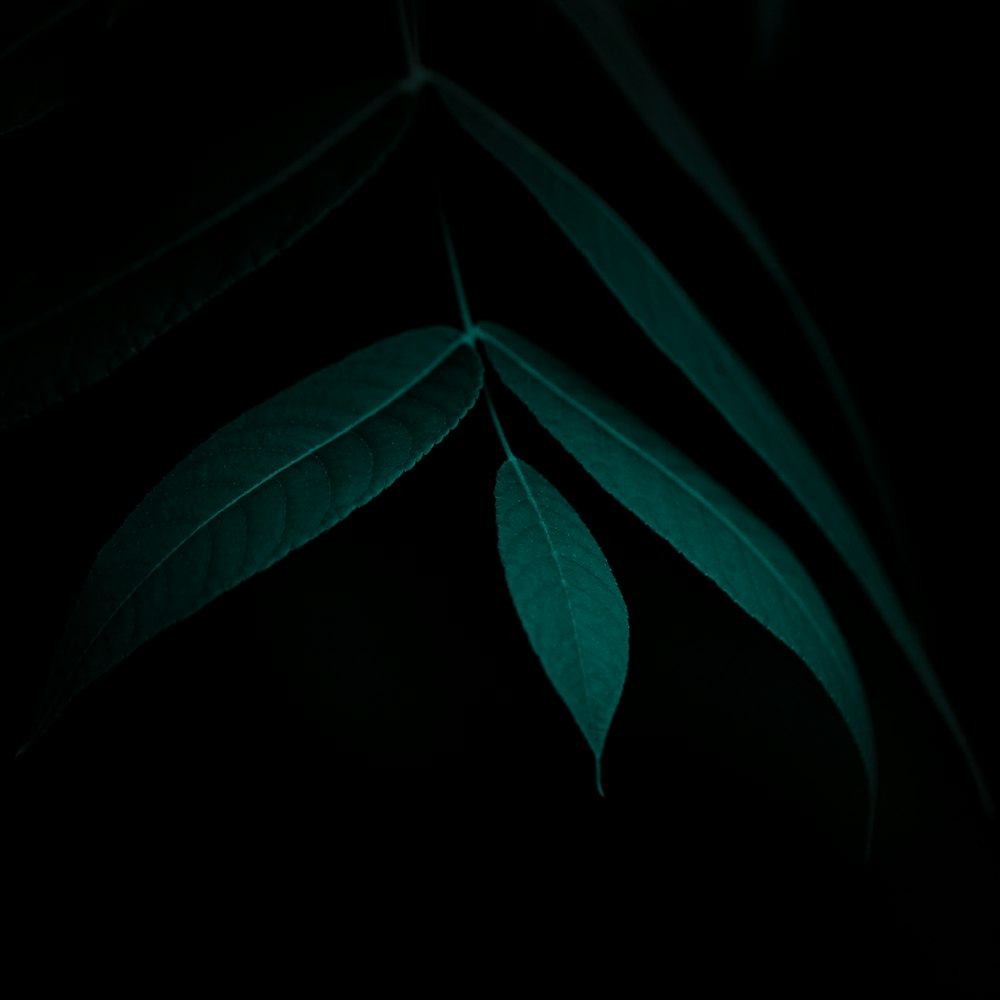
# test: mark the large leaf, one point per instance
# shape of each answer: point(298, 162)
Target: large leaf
point(60, 334)
point(683, 505)
point(608, 34)
point(265, 484)
point(566, 597)
point(671, 320)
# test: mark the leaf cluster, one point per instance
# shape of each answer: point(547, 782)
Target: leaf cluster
point(257, 483)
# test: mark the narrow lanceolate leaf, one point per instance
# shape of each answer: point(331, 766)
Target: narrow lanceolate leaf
point(60, 334)
point(673, 323)
point(567, 599)
point(265, 484)
point(683, 505)
point(608, 34)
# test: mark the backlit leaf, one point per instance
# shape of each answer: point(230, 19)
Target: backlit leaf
point(262, 486)
point(608, 34)
point(687, 508)
point(566, 597)
point(673, 323)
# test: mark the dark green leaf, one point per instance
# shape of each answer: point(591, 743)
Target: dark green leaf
point(231, 219)
point(265, 484)
point(671, 320)
point(683, 505)
point(566, 597)
point(23, 24)
point(610, 37)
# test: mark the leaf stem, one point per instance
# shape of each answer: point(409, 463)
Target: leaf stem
point(456, 275)
point(415, 30)
point(410, 42)
point(506, 447)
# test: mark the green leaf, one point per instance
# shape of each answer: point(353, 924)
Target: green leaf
point(566, 597)
point(668, 317)
point(278, 182)
point(608, 34)
point(687, 508)
point(262, 486)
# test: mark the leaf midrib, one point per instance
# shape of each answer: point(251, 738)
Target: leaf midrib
point(562, 581)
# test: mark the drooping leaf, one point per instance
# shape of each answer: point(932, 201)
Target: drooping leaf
point(687, 508)
point(566, 596)
point(608, 34)
point(673, 323)
point(262, 486)
point(279, 181)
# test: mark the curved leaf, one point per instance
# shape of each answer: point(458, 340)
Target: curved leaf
point(566, 596)
point(235, 218)
point(608, 34)
point(672, 322)
point(265, 484)
point(700, 519)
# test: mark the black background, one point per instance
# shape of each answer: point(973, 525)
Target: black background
point(366, 719)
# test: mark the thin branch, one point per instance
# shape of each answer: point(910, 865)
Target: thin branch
point(456, 276)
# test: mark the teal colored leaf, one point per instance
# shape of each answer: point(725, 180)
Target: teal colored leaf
point(671, 320)
point(687, 508)
point(278, 182)
point(566, 596)
point(608, 34)
point(262, 486)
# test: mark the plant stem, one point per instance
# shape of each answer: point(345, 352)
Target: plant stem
point(499, 430)
point(410, 40)
point(456, 276)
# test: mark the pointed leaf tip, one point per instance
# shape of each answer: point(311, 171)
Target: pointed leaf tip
point(661, 308)
point(701, 520)
point(566, 597)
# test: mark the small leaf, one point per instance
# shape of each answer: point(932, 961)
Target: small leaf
point(262, 486)
point(673, 323)
point(276, 185)
point(566, 597)
point(687, 508)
